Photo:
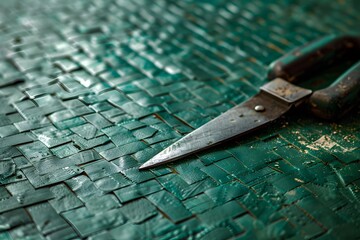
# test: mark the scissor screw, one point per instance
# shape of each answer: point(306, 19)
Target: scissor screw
point(259, 108)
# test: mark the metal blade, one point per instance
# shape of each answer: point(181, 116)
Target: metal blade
point(239, 120)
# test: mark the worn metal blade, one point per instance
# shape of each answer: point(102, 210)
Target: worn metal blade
point(237, 121)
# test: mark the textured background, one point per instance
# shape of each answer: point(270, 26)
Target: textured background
point(92, 89)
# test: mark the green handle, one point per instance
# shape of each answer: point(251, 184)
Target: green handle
point(343, 94)
point(313, 56)
point(340, 97)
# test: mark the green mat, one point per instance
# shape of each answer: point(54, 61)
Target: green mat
point(90, 90)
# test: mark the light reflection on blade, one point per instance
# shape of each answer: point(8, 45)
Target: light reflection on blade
point(239, 120)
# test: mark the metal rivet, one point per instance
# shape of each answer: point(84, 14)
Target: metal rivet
point(259, 108)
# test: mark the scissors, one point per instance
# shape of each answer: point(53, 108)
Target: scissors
point(278, 96)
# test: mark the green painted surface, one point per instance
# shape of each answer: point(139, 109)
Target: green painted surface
point(90, 90)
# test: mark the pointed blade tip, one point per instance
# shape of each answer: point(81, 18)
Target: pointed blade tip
point(148, 164)
point(144, 166)
point(153, 162)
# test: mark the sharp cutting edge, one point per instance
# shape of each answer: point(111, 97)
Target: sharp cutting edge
point(276, 98)
point(248, 116)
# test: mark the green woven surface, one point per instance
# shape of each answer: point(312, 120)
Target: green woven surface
point(92, 89)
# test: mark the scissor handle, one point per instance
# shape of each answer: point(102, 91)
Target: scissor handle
point(343, 94)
